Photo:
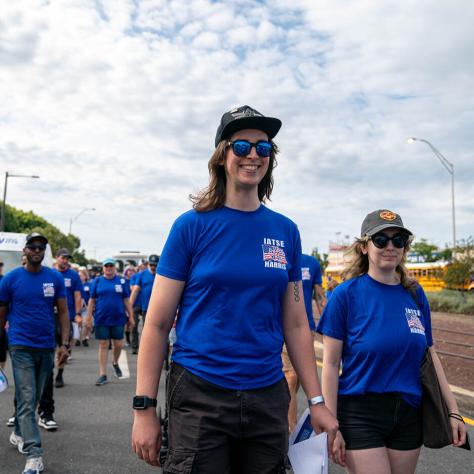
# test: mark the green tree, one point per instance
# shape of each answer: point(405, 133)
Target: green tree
point(428, 252)
point(323, 260)
point(461, 272)
point(25, 222)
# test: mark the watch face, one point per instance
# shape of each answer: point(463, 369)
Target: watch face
point(139, 402)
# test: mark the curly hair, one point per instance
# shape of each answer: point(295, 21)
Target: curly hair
point(214, 195)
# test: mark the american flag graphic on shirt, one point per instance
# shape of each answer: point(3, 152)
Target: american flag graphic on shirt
point(273, 253)
point(414, 322)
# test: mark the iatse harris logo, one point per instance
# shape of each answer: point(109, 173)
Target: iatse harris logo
point(274, 254)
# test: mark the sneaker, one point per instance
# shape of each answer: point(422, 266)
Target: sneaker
point(118, 371)
point(17, 441)
point(77, 343)
point(102, 380)
point(48, 422)
point(11, 421)
point(59, 382)
point(34, 465)
point(85, 343)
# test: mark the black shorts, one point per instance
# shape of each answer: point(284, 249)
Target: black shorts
point(221, 431)
point(376, 420)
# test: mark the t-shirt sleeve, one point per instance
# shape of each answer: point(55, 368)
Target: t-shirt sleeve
point(175, 260)
point(425, 310)
point(60, 287)
point(317, 280)
point(294, 273)
point(5, 289)
point(93, 291)
point(126, 289)
point(78, 284)
point(334, 318)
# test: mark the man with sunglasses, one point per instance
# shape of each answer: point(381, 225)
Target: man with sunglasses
point(28, 296)
point(143, 285)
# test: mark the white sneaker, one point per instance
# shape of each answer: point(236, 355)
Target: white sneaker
point(17, 441)
point(33, 465)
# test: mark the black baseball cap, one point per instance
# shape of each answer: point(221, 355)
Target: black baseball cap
point(63, 253)
point(153, 259)
point(380, 220)
point(246, 117)
point(36, 236)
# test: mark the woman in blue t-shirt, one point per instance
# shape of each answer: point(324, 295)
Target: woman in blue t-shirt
point(233, 267)
point(378, 324)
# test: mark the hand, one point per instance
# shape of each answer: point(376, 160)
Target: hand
point(459, 432)
point(338, 451)
point(146, 436)
point(323, 420)
point(62, 355)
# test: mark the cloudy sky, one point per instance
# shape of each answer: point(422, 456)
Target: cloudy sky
point(115, 104)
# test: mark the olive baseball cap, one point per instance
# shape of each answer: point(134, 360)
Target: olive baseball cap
point(380, 220)
point(244, 117)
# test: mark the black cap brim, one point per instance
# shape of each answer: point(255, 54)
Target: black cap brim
point(269, 125)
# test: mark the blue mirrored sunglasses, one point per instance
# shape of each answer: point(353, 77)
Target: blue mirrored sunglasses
point(243, 147)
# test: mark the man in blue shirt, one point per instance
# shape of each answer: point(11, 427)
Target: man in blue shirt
point(74, 289)
point(28, 296)
point(143, 285)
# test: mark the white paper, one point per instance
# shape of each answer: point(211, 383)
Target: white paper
point(309, 456)
point(76, 333)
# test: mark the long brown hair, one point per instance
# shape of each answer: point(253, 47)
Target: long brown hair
point(359, 264)
point(213, 196)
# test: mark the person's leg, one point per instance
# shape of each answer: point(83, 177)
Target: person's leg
point(264, 430)
point(46, 403)
point(30, 372)
point(403, 462)
point(103, 353)
point(117, 345)
point(202, 420)
point(367, 461)
point(136, 317)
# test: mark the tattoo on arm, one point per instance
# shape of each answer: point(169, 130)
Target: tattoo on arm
point(296, 291)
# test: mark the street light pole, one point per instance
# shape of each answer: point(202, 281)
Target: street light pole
point(74, 219)
point(9, 175)
point(449, 167)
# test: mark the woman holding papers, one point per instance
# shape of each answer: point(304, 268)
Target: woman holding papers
point(233, 267)
point(378, 323)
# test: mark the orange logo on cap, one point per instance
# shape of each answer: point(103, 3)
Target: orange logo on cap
point(388, 215)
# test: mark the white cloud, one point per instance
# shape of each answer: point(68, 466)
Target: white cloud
point(115, 104)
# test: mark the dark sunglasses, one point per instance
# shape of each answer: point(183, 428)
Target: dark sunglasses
point(399, 241)
point(34, 247)
point(243, 147)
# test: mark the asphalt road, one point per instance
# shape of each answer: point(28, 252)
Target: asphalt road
point(95, 424)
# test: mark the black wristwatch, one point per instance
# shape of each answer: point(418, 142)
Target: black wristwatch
point(142, 402)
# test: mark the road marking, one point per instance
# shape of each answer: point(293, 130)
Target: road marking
point(123, 363)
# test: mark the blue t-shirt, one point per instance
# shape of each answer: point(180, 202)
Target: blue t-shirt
point(31, 297)
point(384, 333)
point(133, 282)
point(73, 283)
point(145, 281)
point(109, 294)
point(86, 291)
point(237, 266)
point(311, 275)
